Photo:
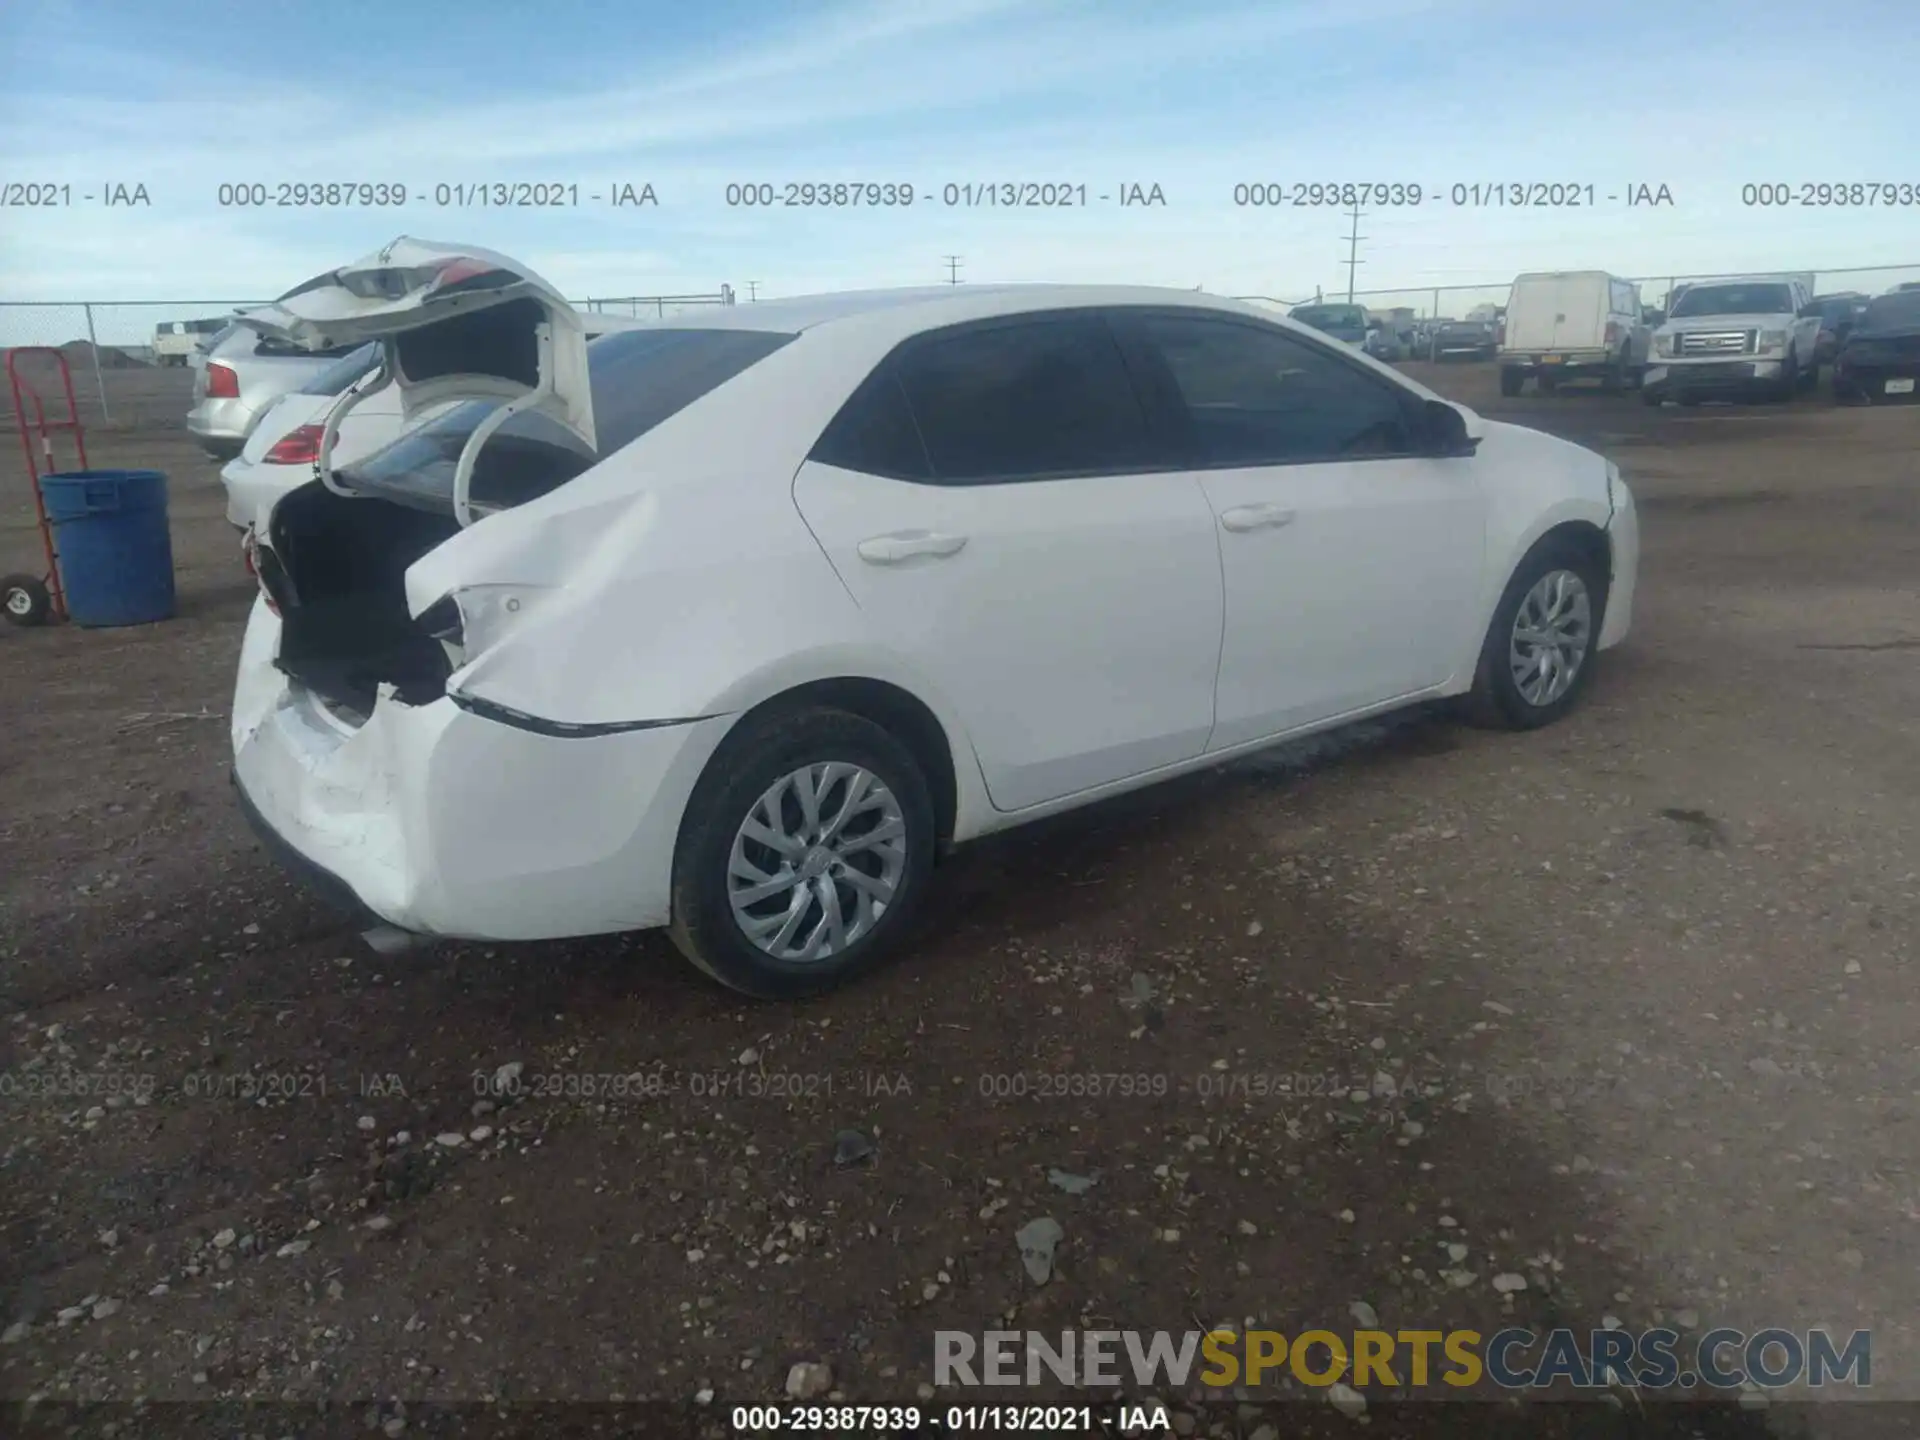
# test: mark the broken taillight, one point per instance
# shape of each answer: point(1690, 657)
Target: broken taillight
point(250, 554)
point(297, 447)
point(265, 567)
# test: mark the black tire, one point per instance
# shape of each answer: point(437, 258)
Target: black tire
point(1788, 385)
point(1614, 378)
point(1512, 377)
point(750, 760)
point(1686, 401)
point(1655, 398)
point(1810, 377)
point(1495, 702)
point(25, 601)
point(1546, 382)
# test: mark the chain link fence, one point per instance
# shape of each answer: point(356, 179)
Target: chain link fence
point(130, 359)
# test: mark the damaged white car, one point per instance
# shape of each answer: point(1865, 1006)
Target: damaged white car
point(732, 624)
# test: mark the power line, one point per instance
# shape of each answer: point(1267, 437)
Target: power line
point(1354, 237)
point(953, 269)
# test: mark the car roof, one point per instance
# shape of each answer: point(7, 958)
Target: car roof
point(931, 306)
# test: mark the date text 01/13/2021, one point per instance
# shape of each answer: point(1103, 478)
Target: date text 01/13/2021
point(1063, 1420)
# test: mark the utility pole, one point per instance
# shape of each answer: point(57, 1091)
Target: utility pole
point(753, 291)
point(953, 269)
point(1354, 237)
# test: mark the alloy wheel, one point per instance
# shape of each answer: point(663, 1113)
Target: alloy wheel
point(817, 861)
point(1552, 632)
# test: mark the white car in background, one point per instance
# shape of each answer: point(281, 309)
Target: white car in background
point(280, 453)
point(733, 624)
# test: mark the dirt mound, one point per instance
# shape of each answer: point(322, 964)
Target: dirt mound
point(79, 356)
point(81, 352)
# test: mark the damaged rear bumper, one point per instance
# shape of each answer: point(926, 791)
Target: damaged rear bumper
point(446, 823)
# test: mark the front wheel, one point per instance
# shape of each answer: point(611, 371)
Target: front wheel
point(1788, 384)
point(1512, 377)
point(803, 855)
point(1542, 643)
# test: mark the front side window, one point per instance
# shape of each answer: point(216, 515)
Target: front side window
point(1026, 399)
point(1256, 396)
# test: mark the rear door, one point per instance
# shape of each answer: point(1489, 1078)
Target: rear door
point(998, 504)
point(455, 321)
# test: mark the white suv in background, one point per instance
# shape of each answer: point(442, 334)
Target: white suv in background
point(1724, 339)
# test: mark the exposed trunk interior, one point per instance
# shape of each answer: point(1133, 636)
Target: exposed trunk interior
point(336, 568)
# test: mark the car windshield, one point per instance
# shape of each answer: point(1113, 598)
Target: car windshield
point(1758, 299)
point(1898, 311)
point(639, 378)
point(346, 371)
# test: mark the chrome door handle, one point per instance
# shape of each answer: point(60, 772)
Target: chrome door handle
point(1255, 517)
point(907, 545)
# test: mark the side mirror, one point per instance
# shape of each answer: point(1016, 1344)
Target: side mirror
point(1446, 430)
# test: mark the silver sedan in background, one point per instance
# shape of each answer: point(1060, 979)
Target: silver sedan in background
point(237, 378)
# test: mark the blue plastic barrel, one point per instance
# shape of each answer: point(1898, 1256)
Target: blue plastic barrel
point(116, 553)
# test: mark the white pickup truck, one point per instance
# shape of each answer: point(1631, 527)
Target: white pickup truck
point(1725, 339)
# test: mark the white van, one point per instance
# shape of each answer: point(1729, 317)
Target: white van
point(174, 340)
point(1573, 324)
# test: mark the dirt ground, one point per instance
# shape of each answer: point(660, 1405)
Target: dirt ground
point(1625, 1007)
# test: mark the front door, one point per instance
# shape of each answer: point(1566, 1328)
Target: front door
point(1352, 562)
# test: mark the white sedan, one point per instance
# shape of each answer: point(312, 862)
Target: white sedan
point(732, 625)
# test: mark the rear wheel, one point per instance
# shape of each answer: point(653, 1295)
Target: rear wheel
point(25, 601)
point(1512, 377)
point(804, 854)
point(1541, 645)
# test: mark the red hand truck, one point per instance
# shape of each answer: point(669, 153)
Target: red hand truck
point(34, 599)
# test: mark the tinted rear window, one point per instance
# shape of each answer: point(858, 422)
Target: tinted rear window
point(522, 460)
point(344, 372)
point(642, 377)
point(639, 378)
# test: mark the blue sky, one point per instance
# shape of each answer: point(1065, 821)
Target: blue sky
point(1700, 96)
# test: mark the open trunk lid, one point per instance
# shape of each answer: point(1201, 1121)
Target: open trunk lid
point(455, 322)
